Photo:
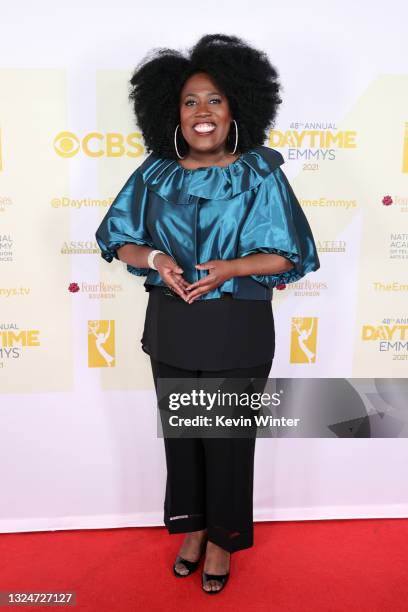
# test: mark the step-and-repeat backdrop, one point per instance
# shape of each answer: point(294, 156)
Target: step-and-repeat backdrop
point(78, 413)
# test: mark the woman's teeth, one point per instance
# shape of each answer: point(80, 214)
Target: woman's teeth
point(204, 128)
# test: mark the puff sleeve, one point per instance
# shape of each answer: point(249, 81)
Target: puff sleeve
point(277, 224)
point(125, 221)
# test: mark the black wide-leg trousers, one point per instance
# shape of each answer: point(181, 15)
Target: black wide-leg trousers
point(210, 479)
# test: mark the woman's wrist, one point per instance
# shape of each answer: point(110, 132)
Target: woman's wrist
point(151, 256)
point(235, 267)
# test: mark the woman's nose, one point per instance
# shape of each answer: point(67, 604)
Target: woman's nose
point(203, 109)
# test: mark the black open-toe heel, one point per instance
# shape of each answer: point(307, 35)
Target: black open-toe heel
point(190, 565)
point(223, 578)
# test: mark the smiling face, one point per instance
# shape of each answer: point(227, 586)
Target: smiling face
point(205, 116)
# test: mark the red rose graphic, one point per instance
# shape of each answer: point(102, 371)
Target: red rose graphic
point(387, 200)
point(281, 286)
point(73, 287)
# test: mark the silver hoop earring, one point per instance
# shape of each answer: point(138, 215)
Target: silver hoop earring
point(175, 142)
point(236, 138)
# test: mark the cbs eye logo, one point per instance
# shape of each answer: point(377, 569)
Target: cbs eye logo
point(66, 144)
point(95, 144)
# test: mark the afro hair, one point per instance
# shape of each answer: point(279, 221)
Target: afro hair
point(242, 73)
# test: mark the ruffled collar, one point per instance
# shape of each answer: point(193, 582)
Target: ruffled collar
point(176, 184)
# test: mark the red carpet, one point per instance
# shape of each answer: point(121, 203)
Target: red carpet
point(358, 565)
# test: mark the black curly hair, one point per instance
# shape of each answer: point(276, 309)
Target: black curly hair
point(243, 74)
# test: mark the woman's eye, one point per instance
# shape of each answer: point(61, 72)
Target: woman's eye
point(188, 102)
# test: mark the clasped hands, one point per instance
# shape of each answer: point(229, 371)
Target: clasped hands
point(219, 270)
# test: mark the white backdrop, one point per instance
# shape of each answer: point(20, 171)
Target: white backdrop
point(79, 443)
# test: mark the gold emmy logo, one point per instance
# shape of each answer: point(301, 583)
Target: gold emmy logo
point(303, 340)
point(405, 149)
point(101, 344)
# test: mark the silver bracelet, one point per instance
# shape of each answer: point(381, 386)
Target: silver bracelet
point(150, 258)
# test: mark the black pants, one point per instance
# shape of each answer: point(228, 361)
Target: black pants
point(210, 480)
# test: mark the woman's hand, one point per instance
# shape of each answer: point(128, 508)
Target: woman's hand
point(170, 272)
point(220, 270)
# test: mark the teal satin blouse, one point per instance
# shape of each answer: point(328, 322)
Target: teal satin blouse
point(212, 213)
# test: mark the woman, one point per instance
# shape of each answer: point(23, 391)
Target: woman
point(212, 222)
